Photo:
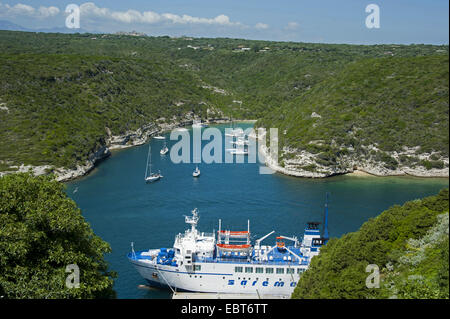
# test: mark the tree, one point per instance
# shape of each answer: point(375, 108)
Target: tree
point(409, 243)
point(42, 231)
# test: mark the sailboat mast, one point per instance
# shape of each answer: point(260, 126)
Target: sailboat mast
point(148, 157)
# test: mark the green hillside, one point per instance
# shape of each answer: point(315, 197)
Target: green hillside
point(409, 244)
point(58, 106)
point(61, 91)
point(370, 108)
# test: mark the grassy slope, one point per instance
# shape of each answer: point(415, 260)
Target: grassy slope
point(59, 105)
point(390, 102)
point(392, 241)
point(61, 94)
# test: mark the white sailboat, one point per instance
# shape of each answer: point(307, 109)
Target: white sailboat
point(153, 176)
point(196, 173)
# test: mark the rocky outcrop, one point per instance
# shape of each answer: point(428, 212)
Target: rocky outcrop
point(131, 138)
point(111, 142)
point(301, 163)
point(63, 174)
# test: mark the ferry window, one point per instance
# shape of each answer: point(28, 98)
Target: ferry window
point(269, 270)
point(197, 267)
point(280, 270)
point(248, 269)
point(237, 269)
point(259, 270)
point(299, 270)
point(290, 270)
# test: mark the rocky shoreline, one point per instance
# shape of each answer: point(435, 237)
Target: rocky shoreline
point(112, 142)
point(301, 166)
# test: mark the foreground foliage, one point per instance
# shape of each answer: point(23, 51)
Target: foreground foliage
point(410, 245)
point(41, 232)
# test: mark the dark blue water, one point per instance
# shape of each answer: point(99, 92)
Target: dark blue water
point(122, 209)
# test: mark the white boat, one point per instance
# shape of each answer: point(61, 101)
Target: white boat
point(227, 262)
point(164, 150)
point(198, 124)
point(237, 151)
point(240, 142)
point(152, 177)
point(196, 173)
point(159, 137)
point(235, 133)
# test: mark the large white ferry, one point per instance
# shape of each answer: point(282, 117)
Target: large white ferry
point(228, 262)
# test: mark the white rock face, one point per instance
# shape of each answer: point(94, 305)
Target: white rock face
point(132, 138)
point(297, 160)
point(129, 139)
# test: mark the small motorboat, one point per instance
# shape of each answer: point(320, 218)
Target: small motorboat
point(240, 141)
point(196, 173)
point(164, 151)
point(236, 151)
point(198, 124)
point(159, 137)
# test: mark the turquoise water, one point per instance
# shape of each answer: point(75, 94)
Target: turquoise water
point(122, 209)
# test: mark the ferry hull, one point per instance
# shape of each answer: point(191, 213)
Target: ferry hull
point(216, 278)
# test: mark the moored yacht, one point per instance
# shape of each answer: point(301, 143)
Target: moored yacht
point(196, 172)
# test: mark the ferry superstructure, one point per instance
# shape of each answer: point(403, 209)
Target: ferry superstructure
point(228, 262)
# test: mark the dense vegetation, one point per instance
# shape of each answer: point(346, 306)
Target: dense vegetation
point(410, 245)
point(59, 91)
point(41, 233)
point(60, 105)
point(386, 103)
